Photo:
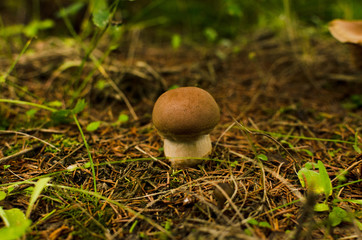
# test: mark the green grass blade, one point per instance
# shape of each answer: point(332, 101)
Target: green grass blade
point(39, 186)
point(88, 151)
point(28, 104)
point(11, 68)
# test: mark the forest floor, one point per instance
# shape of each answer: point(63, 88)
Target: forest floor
point(283, 104)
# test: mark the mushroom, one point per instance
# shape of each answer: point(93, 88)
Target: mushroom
point(349, 32)
point(221, 191)
point(184, 117)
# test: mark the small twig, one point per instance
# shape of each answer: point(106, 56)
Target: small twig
point(27, 135)
point(120, 95)
point(70, 154)
point(276, 175)
point(230, 200)
point(6, 159)
point(347, 170)
point(16, 175)
point(224, 132)
point(153, 72)
point(265, 135)
point(43, 130)
point(157, 160)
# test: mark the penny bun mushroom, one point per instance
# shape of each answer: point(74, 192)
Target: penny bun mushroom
point(349, 32)
point(221, 191)
point(184, 117)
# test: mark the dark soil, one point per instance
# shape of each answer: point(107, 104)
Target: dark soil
point(302, 90)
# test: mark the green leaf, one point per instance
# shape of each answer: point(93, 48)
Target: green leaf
point(87, 165)
point(168, 224)
point(309, 179)
point(133, 226)
point(251, 55)
point(70, 10)
point(99, 4)
point(7, 31)
point(248, 232)
point(309, 165)
point(314, 181)
point(342, 175)
point(341, 213)
point(334, 219)
point(262, 157)
point(31, 113)
point(356, 201)
point(39, 186)
point(357, 149)
point(55, 104)
point(264, 224)
point(321, 207)
point(308, 152)
point(123, 118)
point(253, 221)
point(32, 29)
point(338, 215)
point(79, 106)
point(288, 143)
point(359, 224)
point(210, 34)
point(61, 116)
point(325, 180)
point(16, 224)
point(233, 8)
point(93, 126)
point(176, 41)
point(173, 87)
point(101, 17)
point(234, 164)
point(2, 195)
point(29, 190)
point(10, 189)
point(101, 84)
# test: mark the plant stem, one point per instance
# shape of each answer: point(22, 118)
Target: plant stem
point(88, 151)
point(29, 104)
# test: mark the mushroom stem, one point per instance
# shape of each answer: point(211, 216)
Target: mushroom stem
point(356, 55)
point(187, 153)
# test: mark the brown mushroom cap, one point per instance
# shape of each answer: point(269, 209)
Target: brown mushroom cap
point(185, 112)
point(219, 195)
point(346, 31)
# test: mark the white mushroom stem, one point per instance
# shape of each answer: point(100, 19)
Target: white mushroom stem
point(181, 153)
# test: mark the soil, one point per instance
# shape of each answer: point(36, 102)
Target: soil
point(291, 101)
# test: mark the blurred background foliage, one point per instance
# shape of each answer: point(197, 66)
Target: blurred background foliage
point(195, 20)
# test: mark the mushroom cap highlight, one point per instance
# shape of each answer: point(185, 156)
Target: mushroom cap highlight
point(185, 112)
point(346, 31)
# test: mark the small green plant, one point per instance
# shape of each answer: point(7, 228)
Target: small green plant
point(122, 118)
point(254, 222)
point(134, 224)
point(317, 182)
point(338, 215)
point(176, 41)
point(64, 115)
point(353, 103)
point(16, 224)
point(262, 157)
point(93, 126)
point(15, 221)
point(320, 183)
point(234, 164)
point(210, 34)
